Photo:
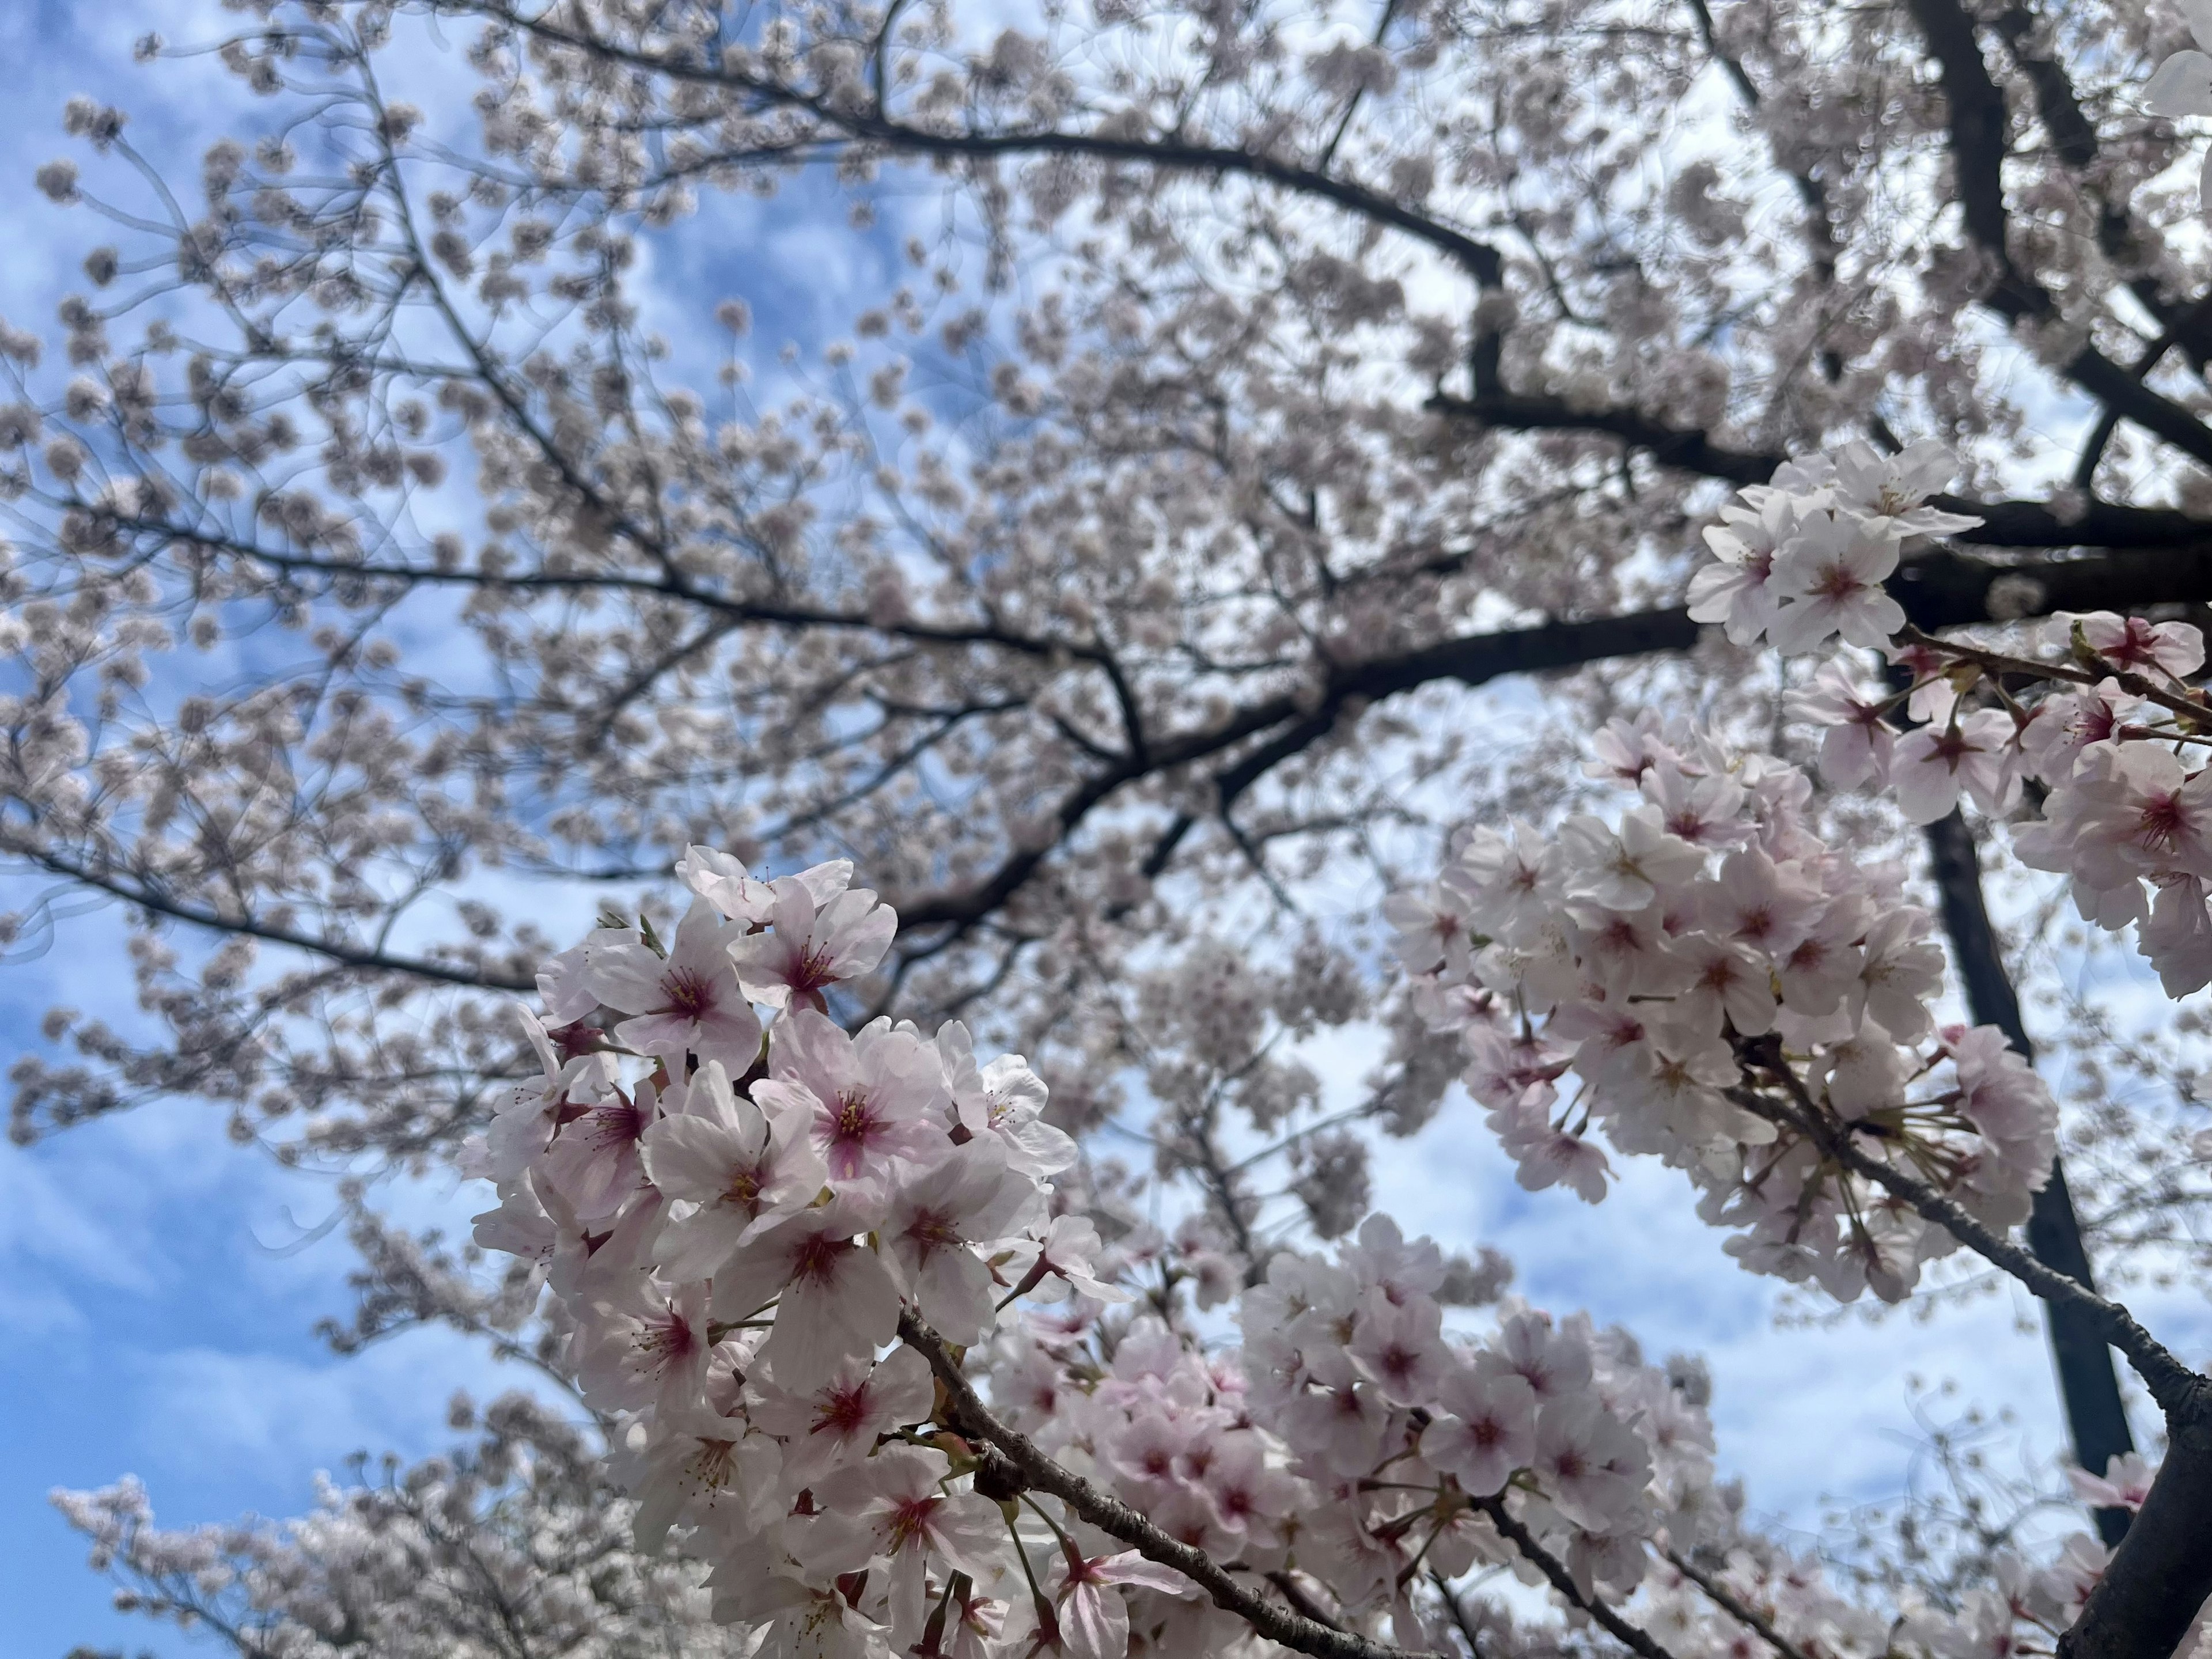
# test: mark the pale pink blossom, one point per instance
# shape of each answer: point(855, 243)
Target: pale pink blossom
point(816, 943)
point(1486, 1429)
point(867, 1104)
point(687, 1003)
point(939, 1214)
point(698, 1466)
point(1092, 1619)
point(840, 1420)
point(2065, 724)
point(2175, 650)
point(1401, 1348)
point(648, 1344)
point(1857, 745)
point(1887, 492)
point(1005, 1099)
point(719, 1156)
point(834, 1299)
point(1593, 1467)
point(724, 882)
point(1829, 580)
point(1628, 868)
point(2125, 1484)
point(1734, 590)
point(1976, 753)
point(892, 1506)
point(594, 1160)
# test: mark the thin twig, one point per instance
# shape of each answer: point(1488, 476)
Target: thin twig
point(1638, 1641)
point(2178, 1390)
point(1723, 1598)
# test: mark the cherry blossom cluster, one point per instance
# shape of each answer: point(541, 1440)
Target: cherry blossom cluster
point(1355, 1445)
point(2107, 727)
point(1702, 979)
point(764, 1236)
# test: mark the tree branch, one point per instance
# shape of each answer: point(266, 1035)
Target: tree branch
point(350, 956)
point(1111, 1516)
point(1727, 1602)
point(2178, 1389)
point(1637, 1641)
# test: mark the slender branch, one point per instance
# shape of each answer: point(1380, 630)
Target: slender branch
point(2180, 1390)
point(1637, 1641)
point(350, 956)
point(1727, 1602)
point(2128, 679)
point(1110, 1515)
point(1479, 258)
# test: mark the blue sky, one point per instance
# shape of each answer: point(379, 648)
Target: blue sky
point(156, 1296)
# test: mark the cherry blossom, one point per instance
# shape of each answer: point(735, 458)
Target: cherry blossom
point(689, 1000)
point(1829, 580)
point(817, 941)
point(719, 1156)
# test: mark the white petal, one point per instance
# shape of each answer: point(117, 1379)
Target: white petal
point(2182, 86)
point(2199, 13)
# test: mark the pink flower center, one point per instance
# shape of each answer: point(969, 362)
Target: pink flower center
point(688, 993)
point(745, 1187)
point(665, 1340)
point(709, 1468)
point(2162, 823)
point(816, 1260)
point(1838, 582)
point(841, 1411)
point(852, 1129)
point(932, 1231)
point(615, 1127)
point(910, 1520)
point(811, 971)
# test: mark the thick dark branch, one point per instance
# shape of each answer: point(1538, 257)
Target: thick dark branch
point(2162, 1573)
point(1938, 589)
point(1980, 144)
point(2004, 524)
point(1690, 450)
point(1111, 1516)
point(2074, 140)
point(2089, 1385)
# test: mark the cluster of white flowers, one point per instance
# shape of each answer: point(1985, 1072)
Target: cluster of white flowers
point(1710, 972)
point(1716, 978)
point(1353, 1442)
point(2108, 725)
point(764, 1239)
point(1803, 558)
